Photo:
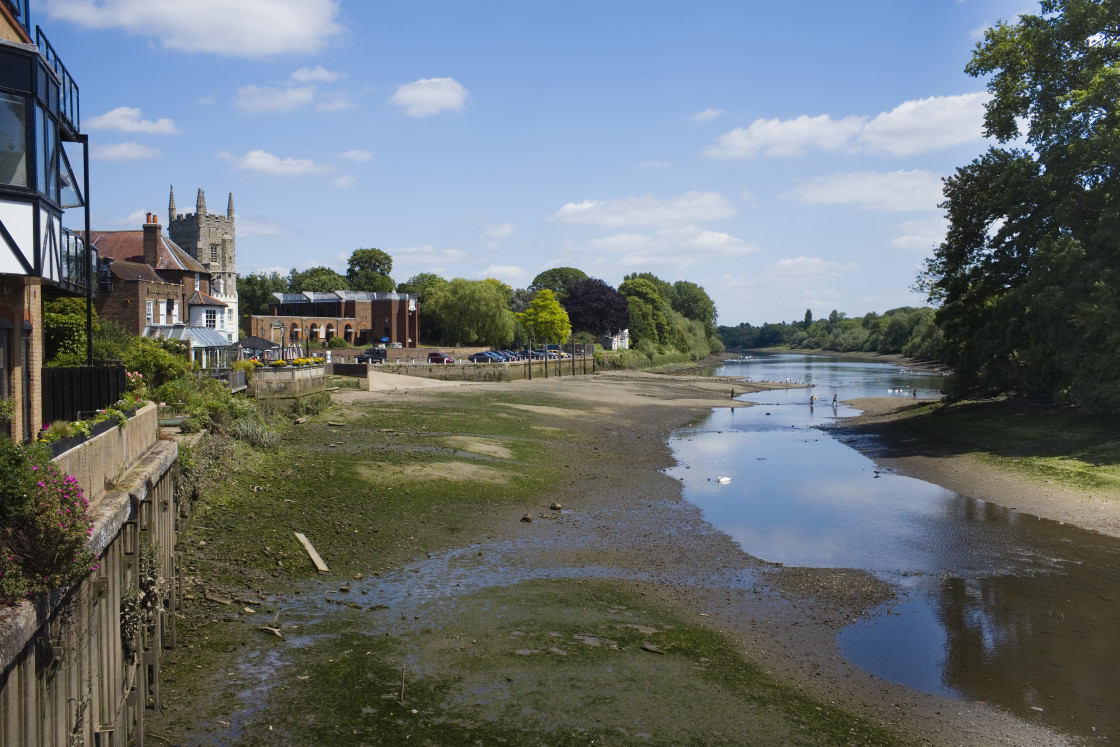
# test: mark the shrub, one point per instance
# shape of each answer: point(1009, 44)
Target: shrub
point(255, 434)
point(337, 342)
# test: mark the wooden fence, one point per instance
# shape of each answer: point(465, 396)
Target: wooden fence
point(72, 391)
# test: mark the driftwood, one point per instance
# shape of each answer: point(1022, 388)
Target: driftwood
point(318, 561)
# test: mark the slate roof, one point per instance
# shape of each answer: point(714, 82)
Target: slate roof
point(199, 337)
point(201, 299)
point(126, 270)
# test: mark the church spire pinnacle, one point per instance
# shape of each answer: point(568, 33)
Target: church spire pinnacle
point(200, 205)
point(171, 207)
point(229, 208)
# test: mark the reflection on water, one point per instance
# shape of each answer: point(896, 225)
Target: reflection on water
point(999, 606)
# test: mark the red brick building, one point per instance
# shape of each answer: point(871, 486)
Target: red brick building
point(359, 317)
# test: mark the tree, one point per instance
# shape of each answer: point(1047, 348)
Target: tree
point(254, 291)
point(663, 288)
point(424, 285)
point(649, 311)
point(545, 319)
point(694, 303)
point(368, 270)
point(471, 312)
point(316, 279)
point(520, 299)
point(595, 307)
point(557, 279)
point(1028, 273)
point(64, 330)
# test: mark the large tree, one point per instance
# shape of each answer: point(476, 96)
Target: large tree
point(691, 300)
point(368, 270)
point(649, 312)
point(545, 319)
point(471, 312)
point(316, 279)
point(424, 285)
point(595, 307)
point(1029, 272)
point(557, 280)
point(254, 291)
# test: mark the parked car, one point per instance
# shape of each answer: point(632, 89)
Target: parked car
point(372, 355)
point(511, 355)
point(481, 357)
point(437, 357)
point(502, 355)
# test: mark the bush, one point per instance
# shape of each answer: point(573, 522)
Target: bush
point(337, 342)
point(44, 547)
point(255, 434)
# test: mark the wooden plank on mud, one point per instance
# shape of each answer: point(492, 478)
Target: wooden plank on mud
point(319, 564)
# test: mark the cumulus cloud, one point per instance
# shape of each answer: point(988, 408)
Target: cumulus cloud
point(360, 156)
point(509, 274)
point(707, 115)
point(343, 180)
point(248, 225)
point(263, 162)
point(647, 210)
point(127, 119)
point(672, 248)
point(429, 96)
point(124, 152)
point(497, 233)
point(246, 28)
point(911, 127)
point(920, 235)
point(897, 190)
point(258, 99)
point(335, 102)
point(427, 254)
point(316, 74)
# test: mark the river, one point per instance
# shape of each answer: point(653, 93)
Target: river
point(995, 605)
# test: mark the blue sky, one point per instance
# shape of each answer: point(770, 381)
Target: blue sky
point(783, 155)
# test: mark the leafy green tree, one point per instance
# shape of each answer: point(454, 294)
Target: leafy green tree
point(110, 340)
point(694, 303)
point(520, 299)
point(64, 331)
point(425, 285)
point(471, 312)
point(316, 279)
point(159, 361)
point(545, 319)
point(1027, 275)
point(649, 311)
point(557, 280)
point(368, 270)
point(254, 291)
point(664, 289)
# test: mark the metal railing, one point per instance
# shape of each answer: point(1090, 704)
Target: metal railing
point(68, 99)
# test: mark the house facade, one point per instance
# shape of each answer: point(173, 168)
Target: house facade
point(39, 193)
point(359, 317)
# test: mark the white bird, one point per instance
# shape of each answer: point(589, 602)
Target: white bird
point(724, 480)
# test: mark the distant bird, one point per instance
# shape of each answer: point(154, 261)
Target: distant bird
point(724, 480)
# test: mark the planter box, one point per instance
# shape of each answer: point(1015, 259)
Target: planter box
point(288, 382)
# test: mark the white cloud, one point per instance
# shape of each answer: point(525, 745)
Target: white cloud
point(316, 74)
point(427, 254)
point(361, 156)
point(124, 152)
point(343, 180)
point(647, 210)
point(920, 235)
point(926, 124)
point(675, 248)
point(897, 190)
point(503, 231)
point(246, 28)
point(127, 119)
point(248, 225)
point(789, 137)
point(911, 127)
point(707, 115)
point(266, 163)
point(257, 99)
point(509, 274)
point(135, 218)
point(335, 102)
point(429, 96)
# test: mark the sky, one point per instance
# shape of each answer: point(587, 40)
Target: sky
point(785, 156)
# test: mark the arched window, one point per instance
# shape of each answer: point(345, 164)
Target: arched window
point(348, 334)
point(293, 333)
point(313, 331)
point(330, 331)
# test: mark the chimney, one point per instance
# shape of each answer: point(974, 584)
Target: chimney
point(151, 240)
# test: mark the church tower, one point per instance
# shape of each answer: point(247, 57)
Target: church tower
point(211, 239)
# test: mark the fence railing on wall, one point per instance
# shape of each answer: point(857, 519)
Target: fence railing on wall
point(70, 392)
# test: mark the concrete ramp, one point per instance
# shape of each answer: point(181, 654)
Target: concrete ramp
point(383, 382)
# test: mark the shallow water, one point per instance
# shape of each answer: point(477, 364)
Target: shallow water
point(998, 605)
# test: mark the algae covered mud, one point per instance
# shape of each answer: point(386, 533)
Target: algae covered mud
point(620, 617)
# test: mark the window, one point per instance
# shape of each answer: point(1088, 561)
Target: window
point(160, 309)
point(229, 317)
point(149, 312)
point(13, 140)
point(213, 254)
point(174, 312)
point(211, 318)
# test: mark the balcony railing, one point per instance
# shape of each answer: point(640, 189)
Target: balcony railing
point(77, 266)
point(68, 104)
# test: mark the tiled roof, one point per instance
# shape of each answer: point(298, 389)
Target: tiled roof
point(135, 271)
point(129, 245)
point(201, 299)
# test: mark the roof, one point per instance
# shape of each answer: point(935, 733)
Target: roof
point(341, 295)
point(202, 299)
point(199, 337)
point(129, 246)
point(252, 342)
point(126, 270)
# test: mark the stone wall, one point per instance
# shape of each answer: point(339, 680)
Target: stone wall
point(287, 382)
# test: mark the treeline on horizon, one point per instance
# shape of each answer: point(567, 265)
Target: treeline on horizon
point(908, 330)
point(561, 305)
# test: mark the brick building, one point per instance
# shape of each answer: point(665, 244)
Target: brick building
point(149, 282)
point(212, 241)
point(359, 317)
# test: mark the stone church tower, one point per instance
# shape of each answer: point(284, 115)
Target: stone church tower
point(211, 240)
